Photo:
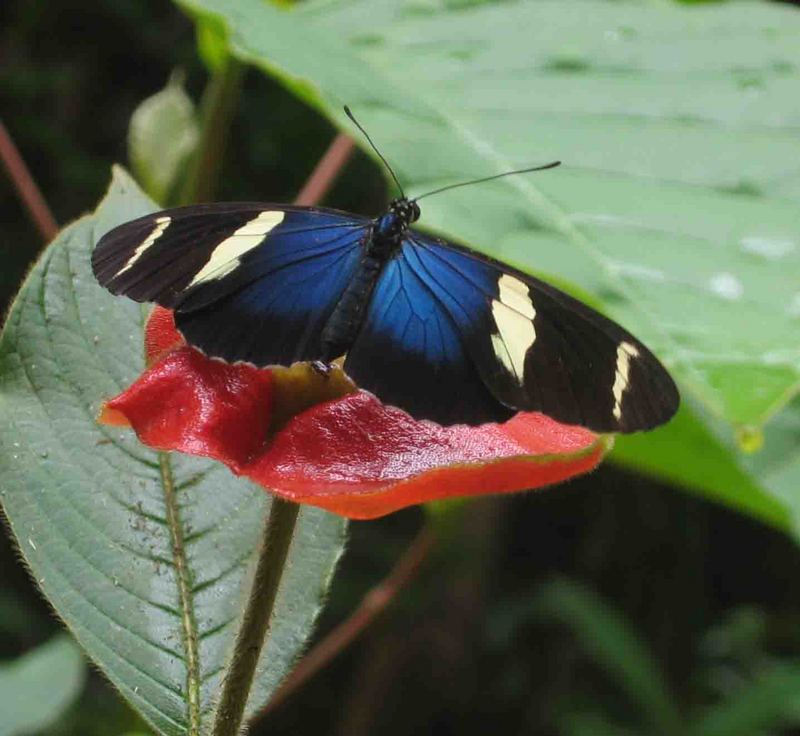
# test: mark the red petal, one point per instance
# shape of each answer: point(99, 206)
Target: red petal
point(160, 334)
point(362, 459)
point(190, 403)
point(350, 455)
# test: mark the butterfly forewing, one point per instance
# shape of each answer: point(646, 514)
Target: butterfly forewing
point(155, 257)
point(250, 282)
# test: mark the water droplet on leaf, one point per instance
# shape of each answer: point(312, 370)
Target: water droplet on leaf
point(768, 247)
point(726, 285)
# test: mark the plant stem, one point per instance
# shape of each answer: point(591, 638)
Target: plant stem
point(218, 108)
point(29, 193)
point(278, 534)
point(326, 171)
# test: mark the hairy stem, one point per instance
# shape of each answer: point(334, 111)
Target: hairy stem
point(278, 533)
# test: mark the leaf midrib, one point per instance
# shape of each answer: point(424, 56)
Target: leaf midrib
point(183, 578)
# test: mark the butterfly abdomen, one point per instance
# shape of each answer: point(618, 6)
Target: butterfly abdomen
point(341, 330)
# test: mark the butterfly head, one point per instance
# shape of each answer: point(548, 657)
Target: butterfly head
point(407, 210)
point(390, 228)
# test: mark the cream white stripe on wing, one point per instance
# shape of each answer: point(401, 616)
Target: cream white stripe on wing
point(514, 293)
point(226, 256)
point(625, 353)
point(162, 223)
point(513, 314)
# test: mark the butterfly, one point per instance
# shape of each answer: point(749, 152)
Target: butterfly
point(439, 330)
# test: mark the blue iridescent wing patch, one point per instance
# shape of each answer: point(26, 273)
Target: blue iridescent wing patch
point(410, 351)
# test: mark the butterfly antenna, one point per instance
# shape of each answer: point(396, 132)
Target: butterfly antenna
point(375, 148)
point(489, 178)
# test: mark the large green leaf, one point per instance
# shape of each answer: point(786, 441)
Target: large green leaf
point(675, 212)
point(39, 686)
point(656, 131)
point(143, 555)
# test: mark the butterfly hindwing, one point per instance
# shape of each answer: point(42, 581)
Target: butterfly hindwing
point(253, 282)
point(538, 349)
point(410, 354)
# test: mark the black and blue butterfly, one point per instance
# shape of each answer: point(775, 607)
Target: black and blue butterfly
point(434, 328)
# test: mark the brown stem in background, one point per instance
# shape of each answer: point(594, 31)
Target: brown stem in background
point(28, 192)
point(326, 171)
point(374, 603)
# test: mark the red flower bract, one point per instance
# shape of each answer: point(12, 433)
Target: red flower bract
point(321, 441)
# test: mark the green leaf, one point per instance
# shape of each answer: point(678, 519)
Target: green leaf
point(613, 644)
point(39, 686)
point(689, 452)
point(163, 135)
point(212, 43)
point(767, 701)
point(675, 211)
point(590, 724)
point(655, 140)
point(144, 555)
point(705, 457)
point(777, 464)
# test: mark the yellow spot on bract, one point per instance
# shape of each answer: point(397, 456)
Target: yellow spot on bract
point(301, 386)
point(161, 224)
point(226, 256)
point(513, 314)
point(625, 352)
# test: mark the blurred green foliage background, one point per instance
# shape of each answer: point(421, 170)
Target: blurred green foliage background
point(699, 608)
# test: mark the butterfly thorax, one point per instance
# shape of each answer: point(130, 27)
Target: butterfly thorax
point(382, 241)
point(389, 229)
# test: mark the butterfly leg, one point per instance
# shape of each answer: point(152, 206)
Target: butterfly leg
point(324, 369)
